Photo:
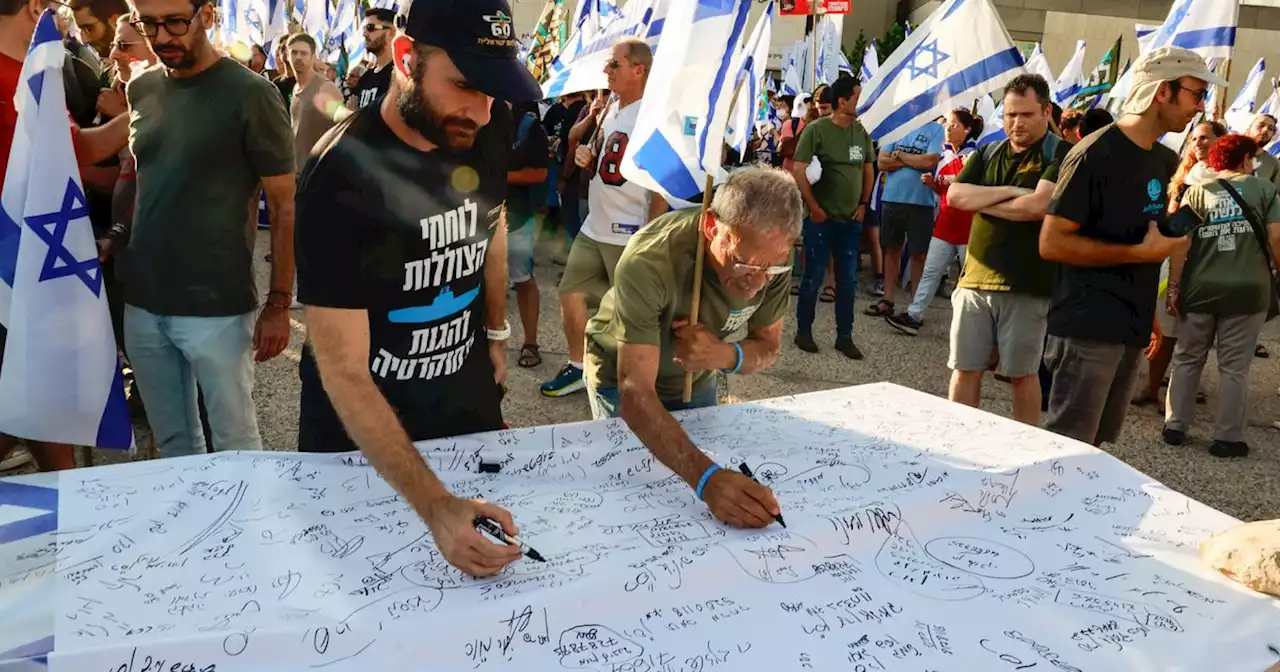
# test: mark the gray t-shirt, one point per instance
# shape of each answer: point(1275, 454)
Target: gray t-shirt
point(1267, 168)
point(202, 146)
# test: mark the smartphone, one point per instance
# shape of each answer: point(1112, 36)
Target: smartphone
point(1180, 223)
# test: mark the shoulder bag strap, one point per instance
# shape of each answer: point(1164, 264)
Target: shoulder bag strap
point(1259, 230)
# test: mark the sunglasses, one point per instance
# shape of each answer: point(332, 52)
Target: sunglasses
point(373, 28)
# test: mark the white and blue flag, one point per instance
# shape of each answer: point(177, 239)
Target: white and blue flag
point(1039, 65)
point(870, 63)
point(1071, 79)
point(1205, 27)
point(1249, 92)
point(751, 103)
point(61, 380)
point(314, 17)
point(1144, 32)
point(680, 129)
point(580, 66)
point(830, 36)
point(345, 31)
point(961, 52)
point(992, 120)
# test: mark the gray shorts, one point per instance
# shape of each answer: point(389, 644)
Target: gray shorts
point(984, 323)
point(1092, 386)
point(906, 223)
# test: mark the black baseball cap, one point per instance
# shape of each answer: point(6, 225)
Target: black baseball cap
point(479, 36)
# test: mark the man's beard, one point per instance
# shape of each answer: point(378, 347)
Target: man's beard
point(451, 133)
point(376, 45)
point(176, 58)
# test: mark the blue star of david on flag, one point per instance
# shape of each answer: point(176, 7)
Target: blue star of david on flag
point(931, 56)
point(52, 229)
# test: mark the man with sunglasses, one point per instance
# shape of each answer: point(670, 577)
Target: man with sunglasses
point(205, 133)
point(1103, 230)
point(379, 30)
point(640, 343)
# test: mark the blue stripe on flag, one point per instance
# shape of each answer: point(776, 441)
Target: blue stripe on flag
point(37, 651)
point(1224, 36)
point(710, 9)
point(114, 428)
point(982, 71)
point(10, 234)
point(951, 11)
point(655, 28)
point(46, 31)
point(658, 158)
point(31, 497)
point(722, 72)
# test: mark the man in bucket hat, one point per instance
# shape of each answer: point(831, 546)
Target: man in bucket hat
point(1102, 228)
point(402, 265)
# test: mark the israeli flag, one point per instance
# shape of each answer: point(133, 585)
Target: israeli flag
point(679, 135)
point(315, 19)
point(344, 30)
point(750, 104)
point(830, 35)
point(870, 63)
point(992, 121)
point(1207, 28)
point(1039, 65)
point(790, 82)
point(1072, 79)
point(1211, 98)
point(1249, 92)
point(845, 67)
point(961, 52)
point(61, 380)
point(582, 68)
point(1145, 33)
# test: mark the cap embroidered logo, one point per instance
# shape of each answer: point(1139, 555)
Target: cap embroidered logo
point(499, 25)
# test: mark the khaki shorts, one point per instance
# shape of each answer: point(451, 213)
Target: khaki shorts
point(589, 268)
point(985, 322)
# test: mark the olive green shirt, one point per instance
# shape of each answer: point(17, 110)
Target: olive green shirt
point(653, 286)
point(202, 144)
point(1227, 272)
point(843, 153)
point(1003, 255)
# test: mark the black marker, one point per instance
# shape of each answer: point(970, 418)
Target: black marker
point(746, 471)
point(495, 530)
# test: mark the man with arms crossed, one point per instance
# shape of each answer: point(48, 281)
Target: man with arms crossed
point(402, 259)
point(1102, 229)
point(1002, 300)
point(640, 343)
point(616, 208)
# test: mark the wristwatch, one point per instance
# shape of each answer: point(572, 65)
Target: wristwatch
point(500, 334)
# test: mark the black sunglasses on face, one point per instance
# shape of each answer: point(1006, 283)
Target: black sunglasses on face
point(373, 28)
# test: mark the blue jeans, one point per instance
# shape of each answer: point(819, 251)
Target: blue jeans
point(605, 402)
point(841, 240)
point(170, 354)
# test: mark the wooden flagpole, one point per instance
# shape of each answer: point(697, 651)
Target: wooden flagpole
point(695, 302)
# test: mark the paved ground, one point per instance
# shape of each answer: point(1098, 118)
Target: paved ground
point(1248, 489)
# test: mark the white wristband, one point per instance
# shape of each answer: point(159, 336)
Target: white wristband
point(500, 334)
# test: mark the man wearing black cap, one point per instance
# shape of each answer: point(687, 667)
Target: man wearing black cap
point(401, 252)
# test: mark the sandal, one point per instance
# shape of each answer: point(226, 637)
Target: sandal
point(1261, 352)
point(529, 356)
point(882, 309)
point(828, 295)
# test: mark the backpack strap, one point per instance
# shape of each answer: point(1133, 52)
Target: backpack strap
point(522, 131)
point(990, 150)
point(1050, 147)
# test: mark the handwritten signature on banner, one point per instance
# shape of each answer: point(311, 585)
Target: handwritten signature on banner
point(926, 536)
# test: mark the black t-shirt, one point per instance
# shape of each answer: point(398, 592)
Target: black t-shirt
point(560, 120)
point(285, 85)
point(373, 85)
point(1112, 188)
point(522, 202)
point(403, 235)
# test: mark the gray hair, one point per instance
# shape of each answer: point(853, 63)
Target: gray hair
point(765, 200)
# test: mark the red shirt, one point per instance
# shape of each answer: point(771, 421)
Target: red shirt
point(952, 225)
point(10, 73)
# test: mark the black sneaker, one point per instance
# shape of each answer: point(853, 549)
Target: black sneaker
point(904, 323)
point(881, 308)
point(1229, 449)
point(805, 342)
point(1174, 437)
point(848, 349)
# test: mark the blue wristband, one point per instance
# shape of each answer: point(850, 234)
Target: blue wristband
point(706, 476)
point(739, 366)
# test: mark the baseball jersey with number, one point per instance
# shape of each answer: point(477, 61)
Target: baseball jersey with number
point(616, 208)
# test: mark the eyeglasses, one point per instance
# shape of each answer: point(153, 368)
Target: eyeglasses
point(173, 25)
point(373, 28)
point(613, 64)
point(1198, 95)
point(748, 269)
point(121, 45)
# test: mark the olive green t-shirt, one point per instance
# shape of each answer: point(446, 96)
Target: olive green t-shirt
point(1227, 271)
point(202, 145)
point(1003, 255)
point(653, 286)
point(842, 152)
